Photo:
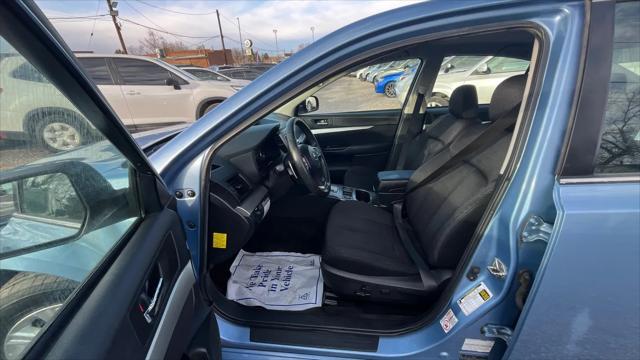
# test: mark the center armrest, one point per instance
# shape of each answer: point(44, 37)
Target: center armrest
point(393, 182)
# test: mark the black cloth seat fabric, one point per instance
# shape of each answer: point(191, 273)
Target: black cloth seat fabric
point(363, 249)
point(462, 116)
point(363, 238)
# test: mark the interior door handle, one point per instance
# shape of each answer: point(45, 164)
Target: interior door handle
point(321, 122)
point(151, 310)
point(133, 92)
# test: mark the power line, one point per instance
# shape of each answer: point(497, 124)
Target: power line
point(94, 24)
point(174, 11)
point(153, 23)
point(90, 17)
point(168, 32)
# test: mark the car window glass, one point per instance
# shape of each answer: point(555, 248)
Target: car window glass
point(65, 201)
point(382, 86)
point(501, 64)
point(483, 72)
point(24, 71)
point(141, 72)
point(619, 150)
point(97, 70)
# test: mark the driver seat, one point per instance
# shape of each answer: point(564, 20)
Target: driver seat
point(365, 253)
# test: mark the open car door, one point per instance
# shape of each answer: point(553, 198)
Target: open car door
point(94, 260)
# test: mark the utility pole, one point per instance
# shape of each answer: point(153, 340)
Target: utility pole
point(113, 14)
point(241, 41)
point(313, 35)
point(224, 50)
point(275, 33)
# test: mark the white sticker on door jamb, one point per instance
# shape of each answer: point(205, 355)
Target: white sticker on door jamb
point(475, 298)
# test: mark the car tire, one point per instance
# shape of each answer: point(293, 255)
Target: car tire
point(210, 107)
point(58, 132)
point(437, 101)
point(26, 299)
point(390, 89)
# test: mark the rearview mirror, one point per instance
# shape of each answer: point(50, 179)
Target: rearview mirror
point(311, 104)
point(172, 82)
point(44, 205)
point(448, 67)
point(483, 69)
point(38, 210)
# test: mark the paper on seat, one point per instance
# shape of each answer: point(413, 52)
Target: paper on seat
point(276, 280)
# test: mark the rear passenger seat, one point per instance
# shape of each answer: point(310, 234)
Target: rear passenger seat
point(462, 120)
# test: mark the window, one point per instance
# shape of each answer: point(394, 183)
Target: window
point(619, 150)
point(207, 75)
point(499, 65)
point(381, 86)
point(65, 201)
point(483, 72)
point(142, 72)
point(27, 72)
point(97, 70)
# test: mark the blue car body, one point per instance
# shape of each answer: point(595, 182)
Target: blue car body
point(380, 85)
point(584, 299)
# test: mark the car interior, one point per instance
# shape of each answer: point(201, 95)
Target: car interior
point(391, 210)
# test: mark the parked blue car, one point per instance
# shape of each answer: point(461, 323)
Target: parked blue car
point(506, 229)
point(387, 85)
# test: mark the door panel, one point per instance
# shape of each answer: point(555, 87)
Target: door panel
point(140, 298)
point(361, 138)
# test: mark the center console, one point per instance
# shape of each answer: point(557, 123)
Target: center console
point(342, 192)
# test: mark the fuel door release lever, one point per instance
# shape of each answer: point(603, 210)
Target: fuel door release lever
point(152, 309)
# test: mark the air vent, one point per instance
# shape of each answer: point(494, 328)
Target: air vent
point(240, 186)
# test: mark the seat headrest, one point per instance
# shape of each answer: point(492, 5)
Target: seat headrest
point(507, 96)
point(463, 103)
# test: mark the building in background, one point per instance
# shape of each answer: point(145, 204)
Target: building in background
point(199, 57)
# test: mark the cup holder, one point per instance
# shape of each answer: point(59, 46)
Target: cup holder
point(362, 195)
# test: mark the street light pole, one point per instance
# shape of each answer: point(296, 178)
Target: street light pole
point(313, 35)
point(275, 33)
point(241, 41)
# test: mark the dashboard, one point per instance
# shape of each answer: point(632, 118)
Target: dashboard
point(246, 174)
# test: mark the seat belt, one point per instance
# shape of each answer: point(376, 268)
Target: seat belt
point(412, 130)
point(445, 161)
point(404, 232)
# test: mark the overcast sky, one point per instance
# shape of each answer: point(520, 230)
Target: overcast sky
point(292, 19)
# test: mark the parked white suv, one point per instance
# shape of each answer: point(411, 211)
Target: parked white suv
point(145, 93)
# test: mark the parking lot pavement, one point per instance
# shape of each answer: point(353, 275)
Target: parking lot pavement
point(16, 153)
point(350, 94)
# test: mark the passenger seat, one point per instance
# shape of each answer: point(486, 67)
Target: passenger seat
point(462, 118)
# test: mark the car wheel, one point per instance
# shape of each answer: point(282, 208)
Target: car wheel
point(437, 101)
point(210, 107)
point(60, 133)
point(390, 89)
point(29, 302)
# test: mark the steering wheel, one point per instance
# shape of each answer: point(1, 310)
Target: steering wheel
point(305, 159)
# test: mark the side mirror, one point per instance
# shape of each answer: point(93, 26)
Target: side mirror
point(448, 67)
point(483, 69)
point(311, 104)
point(172, 82)
point(46, 205)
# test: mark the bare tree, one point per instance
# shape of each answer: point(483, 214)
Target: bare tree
point(620, 144)
point(153, 41)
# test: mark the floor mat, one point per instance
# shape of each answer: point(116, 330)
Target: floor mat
point(276, 280)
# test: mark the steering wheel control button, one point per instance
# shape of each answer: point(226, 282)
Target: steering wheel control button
point(179, 194)
point(191, 193)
